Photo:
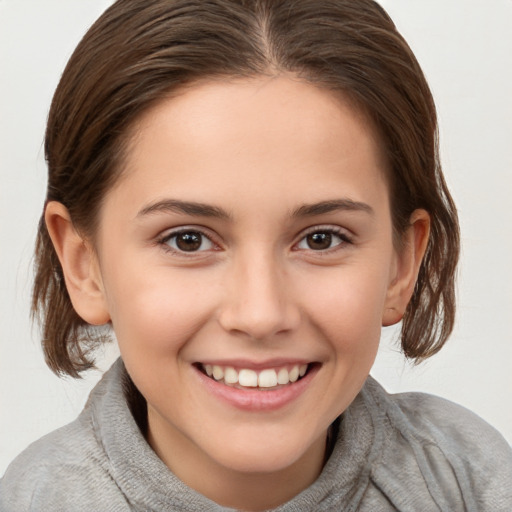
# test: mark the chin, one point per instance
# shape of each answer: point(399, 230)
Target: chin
point(264, 455)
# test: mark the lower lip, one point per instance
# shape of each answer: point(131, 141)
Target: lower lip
point(255, 399)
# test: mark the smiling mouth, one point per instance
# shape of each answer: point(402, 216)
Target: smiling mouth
point(265, 379)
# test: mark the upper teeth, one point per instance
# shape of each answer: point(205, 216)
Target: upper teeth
point(267, 378)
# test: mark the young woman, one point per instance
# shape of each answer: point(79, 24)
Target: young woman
point(246, 192)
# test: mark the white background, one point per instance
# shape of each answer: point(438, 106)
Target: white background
point(465, 48)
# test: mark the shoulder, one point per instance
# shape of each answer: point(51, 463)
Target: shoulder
point(64, 470)
point(457, 430)
point(435, 419)
point(68, 469)
point(455, 450)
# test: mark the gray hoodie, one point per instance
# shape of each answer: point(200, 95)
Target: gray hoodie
point(408, 452)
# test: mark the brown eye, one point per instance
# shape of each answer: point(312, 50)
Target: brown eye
point(323, 240)
point(319, 241)
point(189, 241)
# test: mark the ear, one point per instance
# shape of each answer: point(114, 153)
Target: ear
point(409, 258)
point(79, 265)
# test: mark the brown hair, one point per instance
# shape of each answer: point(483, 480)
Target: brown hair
point(140, 50)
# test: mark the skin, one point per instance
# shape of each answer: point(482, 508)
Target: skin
point(260, 150)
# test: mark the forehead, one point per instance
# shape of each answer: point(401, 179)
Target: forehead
point(244, 137)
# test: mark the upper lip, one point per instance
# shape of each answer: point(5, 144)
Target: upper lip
point(256, 365)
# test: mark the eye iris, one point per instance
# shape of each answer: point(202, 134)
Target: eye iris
point(319, 241)
point(188, 241)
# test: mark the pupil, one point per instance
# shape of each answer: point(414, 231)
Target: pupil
point(319, 241)
point(188, 241)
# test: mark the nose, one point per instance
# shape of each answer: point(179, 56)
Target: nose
point(259, 300)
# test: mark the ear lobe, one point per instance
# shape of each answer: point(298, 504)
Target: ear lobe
point(401, 288)
point(79, 265)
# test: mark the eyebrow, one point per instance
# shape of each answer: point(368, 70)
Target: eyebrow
point(333, 205)
point(186, 207)
point(206, 210)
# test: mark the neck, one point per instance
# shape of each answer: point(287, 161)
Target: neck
point(243, 490)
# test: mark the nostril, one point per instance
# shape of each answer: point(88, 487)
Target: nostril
point(259, 323)
point(257, 300)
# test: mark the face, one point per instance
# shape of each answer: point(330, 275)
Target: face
point(246, 261)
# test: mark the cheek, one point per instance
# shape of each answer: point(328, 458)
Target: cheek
point(347, 307)
point(157, 309)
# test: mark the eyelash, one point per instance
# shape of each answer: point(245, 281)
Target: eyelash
point(327, 230)
point(164, 241)
point(345, 239)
